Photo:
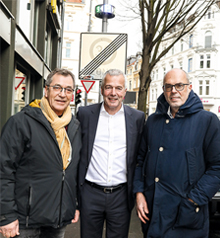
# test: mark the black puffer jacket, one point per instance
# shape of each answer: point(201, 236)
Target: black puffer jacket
point(34, 188)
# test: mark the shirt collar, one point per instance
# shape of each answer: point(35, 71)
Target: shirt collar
point(103, 111)
point(169, 113)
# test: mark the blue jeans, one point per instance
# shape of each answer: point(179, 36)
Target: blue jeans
point(42, 232)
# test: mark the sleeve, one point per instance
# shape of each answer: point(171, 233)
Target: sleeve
point(11, 149)
point(138, 184)
point(209, 183)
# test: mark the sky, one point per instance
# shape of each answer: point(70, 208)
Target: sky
point(124, 25)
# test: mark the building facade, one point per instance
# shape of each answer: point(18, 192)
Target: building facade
point(31, 46)
point(198, 53)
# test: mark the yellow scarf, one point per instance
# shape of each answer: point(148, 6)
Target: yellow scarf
point(58, 124)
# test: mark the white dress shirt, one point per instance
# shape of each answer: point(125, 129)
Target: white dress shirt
point(108, 162)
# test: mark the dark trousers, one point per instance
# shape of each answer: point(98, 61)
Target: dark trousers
point(97, 207)
point(42, 232)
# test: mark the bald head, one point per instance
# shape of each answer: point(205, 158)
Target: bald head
point(178, 73)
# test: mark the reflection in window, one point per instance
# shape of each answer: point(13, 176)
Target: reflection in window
point(24, 16)
point(48, 45)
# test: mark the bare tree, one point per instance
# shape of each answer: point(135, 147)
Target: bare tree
point(159, 19)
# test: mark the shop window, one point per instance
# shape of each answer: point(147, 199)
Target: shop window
point(20, 91)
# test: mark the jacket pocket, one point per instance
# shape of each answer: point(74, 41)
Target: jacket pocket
point(189, 215)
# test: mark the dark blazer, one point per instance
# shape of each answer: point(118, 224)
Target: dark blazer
point(88, 117)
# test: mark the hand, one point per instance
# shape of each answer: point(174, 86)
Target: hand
point(10, 230)
point(141, 206)
point(76, 218)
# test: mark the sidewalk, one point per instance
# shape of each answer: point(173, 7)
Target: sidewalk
point(73, 230)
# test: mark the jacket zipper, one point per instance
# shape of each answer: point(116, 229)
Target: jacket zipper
point(61, 197)
point(29, 205)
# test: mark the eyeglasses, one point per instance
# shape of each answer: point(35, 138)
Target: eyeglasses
point(177, 86)
point(59, 89)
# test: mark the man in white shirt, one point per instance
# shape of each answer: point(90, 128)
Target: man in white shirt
point(111, 135)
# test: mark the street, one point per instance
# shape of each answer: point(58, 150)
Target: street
point(73, 231)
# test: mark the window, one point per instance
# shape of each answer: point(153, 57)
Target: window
point(164, 70)
point(190, 65)
point(181, 45)
point(129, 85)
point(152, 95)
point(207, 87)
point(208, 39)
point(68, 49)
point(153, 75)
point(173, 50)
point(181, 65)
point(200, 87)
point(205, 61)
point(204, 87)
point(171, 66)
point(191, 41)
point(69, 23)
point(201, 61)
point(156, 74)
point(208, 61)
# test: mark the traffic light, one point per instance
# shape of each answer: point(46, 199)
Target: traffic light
point(23, 94)
point(78, 96)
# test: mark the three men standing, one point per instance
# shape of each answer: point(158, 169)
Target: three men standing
point(39, 155)
point(111, 135)
point(178, 168)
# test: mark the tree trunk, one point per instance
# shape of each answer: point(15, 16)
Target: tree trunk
point(145, 80)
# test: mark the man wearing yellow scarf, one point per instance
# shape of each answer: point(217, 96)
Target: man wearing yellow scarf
point(40, 149)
